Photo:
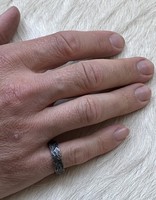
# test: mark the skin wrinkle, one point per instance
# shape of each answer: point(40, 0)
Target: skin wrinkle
point(105, 173)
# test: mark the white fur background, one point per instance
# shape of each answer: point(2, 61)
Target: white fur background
point(128, 172)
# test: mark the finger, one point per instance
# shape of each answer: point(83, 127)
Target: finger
point(93, 76)
point(91, 109)
point(78, 151)
point(57, 49)
point(8, 24)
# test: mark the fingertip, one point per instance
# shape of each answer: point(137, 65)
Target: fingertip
point(14, 13)
point(117, 41)
point(121, 134)
point(11, 16)
point(9, 22)
point(12, 9)
point(143, 93)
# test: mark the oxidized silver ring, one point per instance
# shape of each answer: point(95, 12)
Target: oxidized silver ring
point(56, 156)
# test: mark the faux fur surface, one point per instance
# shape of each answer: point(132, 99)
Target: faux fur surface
point(128, 172)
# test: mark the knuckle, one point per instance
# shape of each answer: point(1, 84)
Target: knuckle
point(17, 164)
point(127, 69)
point(15, 130)
point(91, 76)
point(126, 101)
point(102, 145)
point(66, 44)
point(88, 110)
point(4, 61)
point(15, 92)
point(11, 94)
point(10, 171)
point(128, 104)
point(78, 155)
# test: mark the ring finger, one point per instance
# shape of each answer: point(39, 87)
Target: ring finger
point(78, 151)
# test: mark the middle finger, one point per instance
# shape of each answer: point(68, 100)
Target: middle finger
point(92, 76)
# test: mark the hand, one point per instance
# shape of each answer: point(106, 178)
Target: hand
point(30, 82)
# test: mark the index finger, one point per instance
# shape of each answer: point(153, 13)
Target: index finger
point(57, 49)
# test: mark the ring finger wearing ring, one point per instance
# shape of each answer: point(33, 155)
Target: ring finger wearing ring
point(78, 151)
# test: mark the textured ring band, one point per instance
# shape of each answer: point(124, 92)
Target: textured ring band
point(56, 156)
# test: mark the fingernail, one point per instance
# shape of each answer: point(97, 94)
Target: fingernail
point(117, 41)
point(143, 93)
point(145, 67)
point(121, 134)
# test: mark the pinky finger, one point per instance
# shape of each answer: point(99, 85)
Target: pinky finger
point(78, 151)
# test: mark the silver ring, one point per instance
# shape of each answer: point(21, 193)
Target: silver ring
point(56, 156)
